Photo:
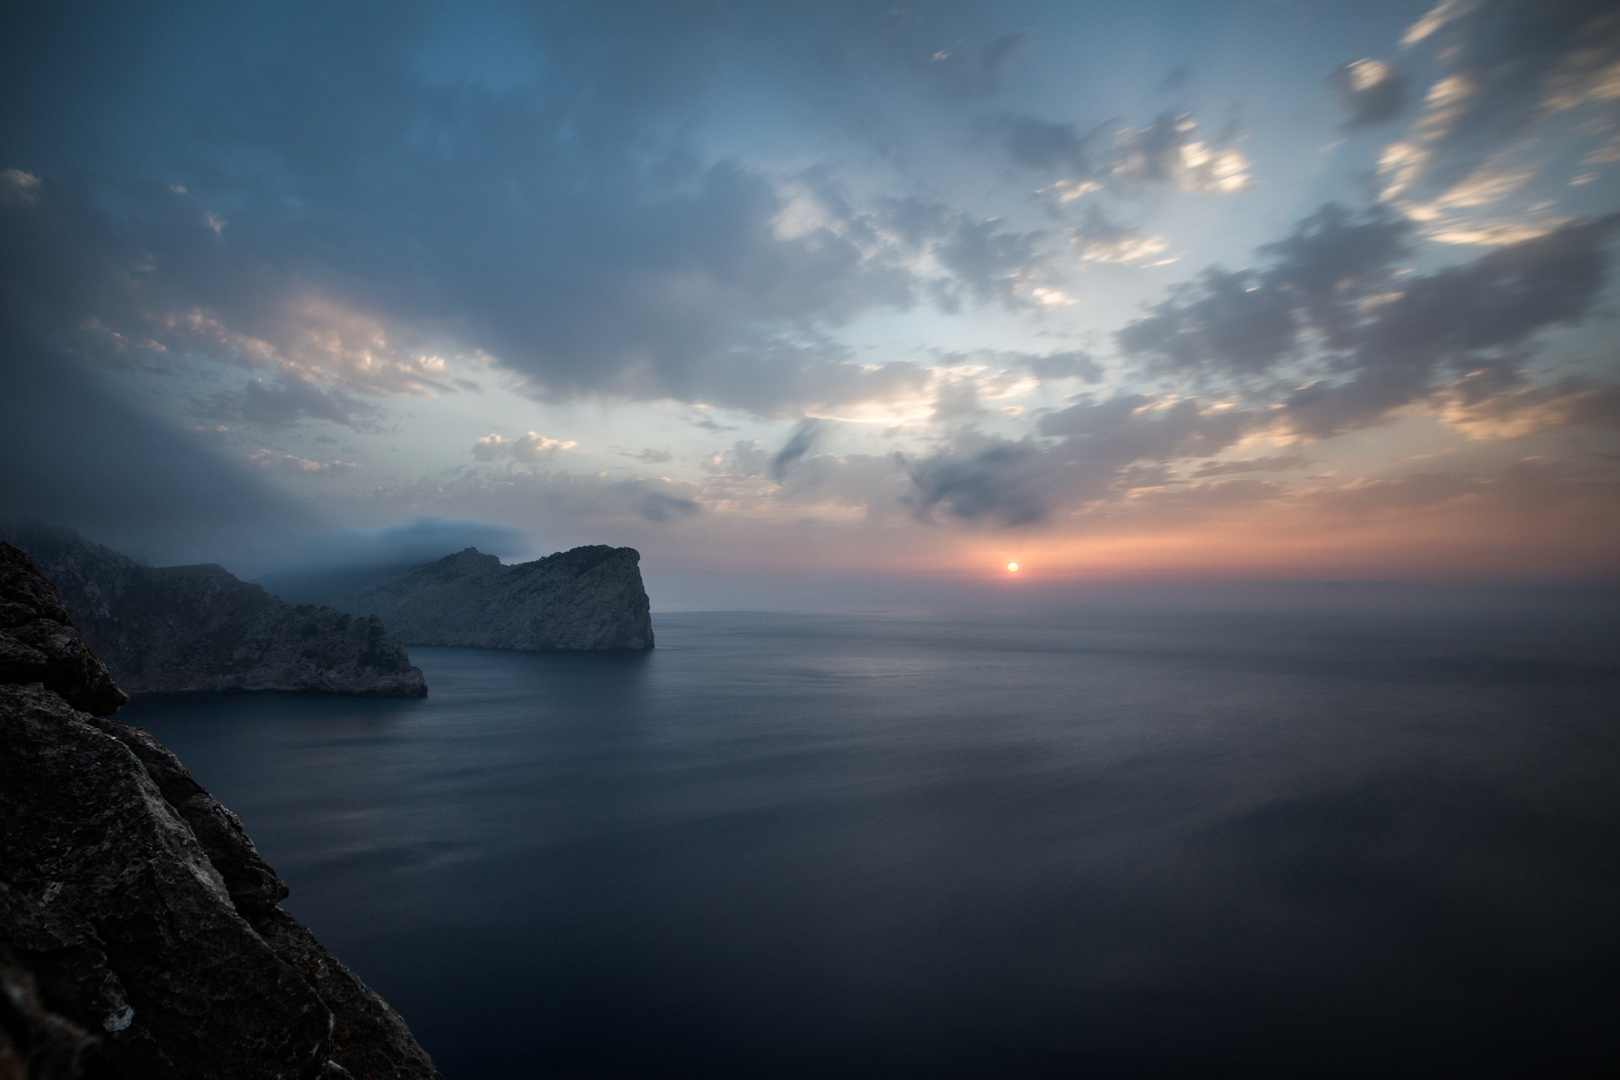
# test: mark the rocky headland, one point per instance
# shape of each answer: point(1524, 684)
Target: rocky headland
point(141, 934)
point(586, 598)
point(199, 628)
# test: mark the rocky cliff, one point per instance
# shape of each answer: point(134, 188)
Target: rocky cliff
point(587, 598)
point(140, 932)
point(199, 628)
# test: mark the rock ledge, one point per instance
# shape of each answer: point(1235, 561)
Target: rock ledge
point(140, 931)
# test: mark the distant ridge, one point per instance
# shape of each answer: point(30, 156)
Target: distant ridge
point(178, 629)
point(587, 598)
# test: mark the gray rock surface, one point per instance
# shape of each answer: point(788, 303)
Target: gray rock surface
point(140, 932)
point(39, 643)
point(587, 598)
point(199, 628)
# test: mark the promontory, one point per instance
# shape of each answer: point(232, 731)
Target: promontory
point(587, 598)
point(199, 628)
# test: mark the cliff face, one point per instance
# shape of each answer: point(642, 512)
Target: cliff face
point(200, 628)
point(587, 598)
point(140, 932)
point(39, 643)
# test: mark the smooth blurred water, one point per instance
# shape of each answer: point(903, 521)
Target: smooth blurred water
point(1106, 843)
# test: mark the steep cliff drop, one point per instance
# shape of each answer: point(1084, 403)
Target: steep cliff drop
point(587, 598)
point(199, 628)
point(140, 932)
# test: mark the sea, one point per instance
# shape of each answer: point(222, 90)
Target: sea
point(1101, 841)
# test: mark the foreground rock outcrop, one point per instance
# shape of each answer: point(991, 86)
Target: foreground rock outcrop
point(140, 932)
point(199, 628)
point(587, 598)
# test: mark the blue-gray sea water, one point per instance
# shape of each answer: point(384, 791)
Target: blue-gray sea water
point(1094, 844)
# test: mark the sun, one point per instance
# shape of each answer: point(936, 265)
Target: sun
point(1012, 568)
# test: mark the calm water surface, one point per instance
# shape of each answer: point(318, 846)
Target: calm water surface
point(1102, 844)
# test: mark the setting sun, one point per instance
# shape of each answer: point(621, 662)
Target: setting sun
point(1012, 568)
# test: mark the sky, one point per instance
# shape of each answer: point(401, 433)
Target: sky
point(867, 292)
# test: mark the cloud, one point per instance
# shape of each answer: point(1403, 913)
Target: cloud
point(672, 283)
point(986, 263)
point(804, 437)
point(128, 289)
point(658, 506)
point(1230, 321)
point(957, 399)
point(839, 389)
point(309, 340)
point(1371, 91)
point(651, 456)
point(19, 185)
point(1068, 364)
point(293, 465)
point(746, 458)
point(1332, 263)
point(1456, 318)
point(534, 447)
point(286, 403)
point(600, 201)
point(956, 257)
point(1100, 448)
point(562, 222)
point(1043, 146)
point(1363, 499)
point(530, 447)
point(315, 340)
point(1492, 412)
point(996, 481)
point(1270, 463)
point(1117, 431)
point(1165, 153)
point(1356, 340)
point(710, 424)
point(1097, 239)
point(1506, 66)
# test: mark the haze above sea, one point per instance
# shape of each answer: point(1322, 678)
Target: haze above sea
point(1105, 840)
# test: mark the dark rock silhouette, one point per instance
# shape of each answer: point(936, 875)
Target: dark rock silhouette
point(587, 598)
point(140, 932)
point(39, 643)
point(199, 628)
point(34, 1041)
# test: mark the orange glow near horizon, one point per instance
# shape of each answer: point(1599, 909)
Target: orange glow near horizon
point(1569, 535)
point(1456, 542)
